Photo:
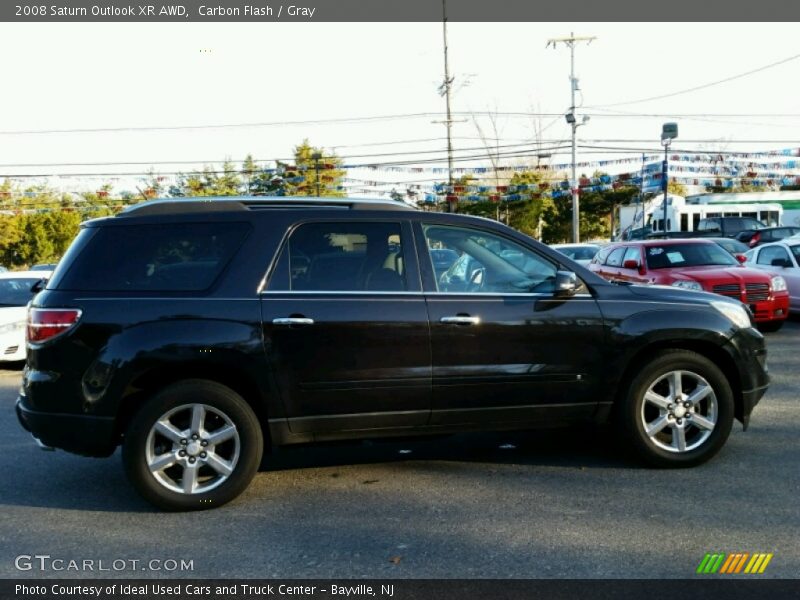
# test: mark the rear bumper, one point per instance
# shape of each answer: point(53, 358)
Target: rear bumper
point(79, 434)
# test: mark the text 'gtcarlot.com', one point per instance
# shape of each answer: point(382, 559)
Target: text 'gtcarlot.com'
point(45, 562)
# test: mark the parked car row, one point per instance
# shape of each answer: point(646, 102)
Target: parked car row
point(756, 237)
point(699, 265)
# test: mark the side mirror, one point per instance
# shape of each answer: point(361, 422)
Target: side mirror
point(566, 284)
point(39, 286)
point(741, 258)
point(781, 262)
point(633, 264)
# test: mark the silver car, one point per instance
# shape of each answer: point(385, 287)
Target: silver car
point(580, 253)
point(782, 258)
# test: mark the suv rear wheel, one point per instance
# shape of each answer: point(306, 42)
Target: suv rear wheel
point(678, 410)
point(195, 445)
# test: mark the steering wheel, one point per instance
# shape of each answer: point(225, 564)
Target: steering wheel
point(477, 280)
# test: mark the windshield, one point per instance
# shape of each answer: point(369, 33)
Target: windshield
point(16, 292)
point(687, 255)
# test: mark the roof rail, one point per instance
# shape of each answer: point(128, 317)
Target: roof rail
point(204, 204)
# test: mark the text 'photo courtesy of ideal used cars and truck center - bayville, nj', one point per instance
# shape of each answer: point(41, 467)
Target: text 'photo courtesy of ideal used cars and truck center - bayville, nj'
point(379, 295)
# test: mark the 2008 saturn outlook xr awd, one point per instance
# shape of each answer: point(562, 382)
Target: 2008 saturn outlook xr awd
point(195, 333)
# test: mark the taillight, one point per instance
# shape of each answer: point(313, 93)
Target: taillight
point(46, 323)
point(754, 239)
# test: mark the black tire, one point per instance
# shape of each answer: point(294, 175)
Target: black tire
point(771, 327)
point(224, 404)
point(631, 415)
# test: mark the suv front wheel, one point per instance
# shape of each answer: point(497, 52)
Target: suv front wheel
point(195, 445)
point(678, 410)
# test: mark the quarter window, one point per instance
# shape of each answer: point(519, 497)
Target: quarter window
point(487, 263)
point(179, 257)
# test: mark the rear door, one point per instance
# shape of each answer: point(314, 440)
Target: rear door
point(504, 348)
point(346, 327)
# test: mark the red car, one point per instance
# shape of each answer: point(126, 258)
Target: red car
point(697, 264)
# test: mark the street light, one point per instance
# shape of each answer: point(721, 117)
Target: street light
point(573, 123)
point(669, 131)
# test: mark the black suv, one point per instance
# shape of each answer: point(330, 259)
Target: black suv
point(197, 332)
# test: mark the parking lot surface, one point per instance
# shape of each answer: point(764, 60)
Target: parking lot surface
point(521, 505)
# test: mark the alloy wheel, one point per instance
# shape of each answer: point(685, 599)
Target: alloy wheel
point(192, 449)
point(679, 411)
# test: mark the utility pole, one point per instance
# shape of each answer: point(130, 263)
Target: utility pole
point(445, 90)
point(571, 119)
point(316, 156)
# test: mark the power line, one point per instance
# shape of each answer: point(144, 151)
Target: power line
point(332, 121)
point(706, 85)
point(434, 160)
point(261, 160)
point(348, 120)
point(554, 141)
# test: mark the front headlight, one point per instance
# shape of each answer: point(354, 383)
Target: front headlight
point(778, 284)
point(735, 313)
point(688, 285)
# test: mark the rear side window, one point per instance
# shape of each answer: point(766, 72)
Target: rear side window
point(343, 257)
point(154, 258)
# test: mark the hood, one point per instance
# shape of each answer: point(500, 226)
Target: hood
point(667, 293)
point(715, 274)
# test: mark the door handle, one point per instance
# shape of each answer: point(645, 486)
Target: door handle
point(293, 321)
point(460, 320)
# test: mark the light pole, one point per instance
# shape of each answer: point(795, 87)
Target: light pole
point(669, 131)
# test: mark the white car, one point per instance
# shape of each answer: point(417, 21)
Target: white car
point(580, 253)
point(15, 293)
point(782, 258)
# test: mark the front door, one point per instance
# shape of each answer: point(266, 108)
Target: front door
point(505, 349)
point(346, 328)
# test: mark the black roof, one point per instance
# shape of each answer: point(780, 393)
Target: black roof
point(206, 204)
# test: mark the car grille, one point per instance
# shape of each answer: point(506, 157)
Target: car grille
point(11, 350)
point(757, 292)
point(728, 289)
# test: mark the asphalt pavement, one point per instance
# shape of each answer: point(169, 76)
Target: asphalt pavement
point(522, 505)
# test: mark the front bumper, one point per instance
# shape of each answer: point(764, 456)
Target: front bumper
point(774, 309)
point(80, 434)
point(750, 355)
point(12, 346)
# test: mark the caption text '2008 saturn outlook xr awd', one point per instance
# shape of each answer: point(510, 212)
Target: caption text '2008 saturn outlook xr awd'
point(197, 333)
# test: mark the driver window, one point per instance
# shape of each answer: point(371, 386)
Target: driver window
point(471, 261)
